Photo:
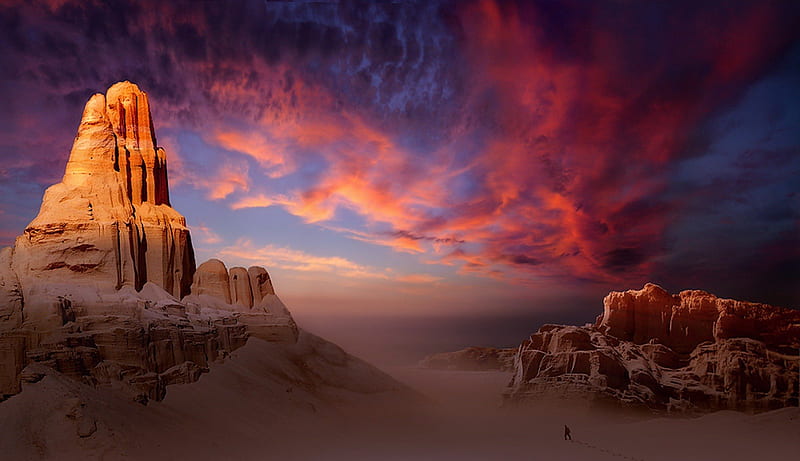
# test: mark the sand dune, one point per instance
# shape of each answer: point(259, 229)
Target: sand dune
point(312, 401)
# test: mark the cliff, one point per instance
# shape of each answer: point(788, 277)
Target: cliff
point(650, 349)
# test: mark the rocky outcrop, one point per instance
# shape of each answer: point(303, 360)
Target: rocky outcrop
point(249, 293)
point(472, 359)
point(108, 223)
point(686, 352)
point(211, 278)
point(98, 285)
point(244, 287)
point(241, 293)
point(260, 284)
point(691, 317)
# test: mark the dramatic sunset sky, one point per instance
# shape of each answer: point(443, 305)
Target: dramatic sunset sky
point(449, 158)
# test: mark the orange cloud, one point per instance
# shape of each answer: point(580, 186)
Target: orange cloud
point(256, 145)
point(272, 256)
point(419, 278)
point(295, 260)
point(229, 178)
point(206, 235)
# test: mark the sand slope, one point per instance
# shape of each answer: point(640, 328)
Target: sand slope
point(245, 408)
point(313, 401)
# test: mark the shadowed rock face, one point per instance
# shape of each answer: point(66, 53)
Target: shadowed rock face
point(211, 278)
point(260, 284)
point(686, 352)
point(98, 285)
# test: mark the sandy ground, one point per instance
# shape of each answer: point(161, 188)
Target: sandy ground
point(533, 433)
point(278, 402)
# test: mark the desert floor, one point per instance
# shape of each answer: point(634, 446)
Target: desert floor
point(248, 408)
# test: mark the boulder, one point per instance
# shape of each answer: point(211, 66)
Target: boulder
point(260, 284)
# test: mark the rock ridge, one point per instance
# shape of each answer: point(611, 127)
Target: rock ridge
point(676, 353)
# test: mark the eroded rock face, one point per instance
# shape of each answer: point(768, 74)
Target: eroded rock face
point(108, 223)
point(260, 284)
point(98, 285)
point(241, 293)
point(649, 349)
point(685, 320)
point(211, 278)
point(248, 292)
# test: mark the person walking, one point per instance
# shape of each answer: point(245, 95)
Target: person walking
point(567, 433)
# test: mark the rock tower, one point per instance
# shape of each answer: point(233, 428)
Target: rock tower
point(99, 285)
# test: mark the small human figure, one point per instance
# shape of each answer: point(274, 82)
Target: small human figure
point(567, 433)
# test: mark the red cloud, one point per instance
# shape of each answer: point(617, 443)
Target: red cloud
point(550, 155)
point(567, 179)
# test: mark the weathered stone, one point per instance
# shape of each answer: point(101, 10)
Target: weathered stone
point(12, 361)
point(241, 292)
point(260, 284)
point(98, 285)
point(211, 278)
point(108, 223)
point(686, 352)
point(10, 293)
point(683, 321)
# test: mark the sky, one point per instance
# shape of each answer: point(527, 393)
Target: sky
point(470, 159)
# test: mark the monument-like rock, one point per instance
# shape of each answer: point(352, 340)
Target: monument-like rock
point(108, 223)
point(686, 352)
point(98, 286)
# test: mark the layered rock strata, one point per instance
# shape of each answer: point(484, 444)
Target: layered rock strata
point(686, 352)
point(99, 285)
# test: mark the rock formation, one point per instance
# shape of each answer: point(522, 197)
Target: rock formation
point(249, 293)
point(472, 359)
point(99, 284)
point(686, 352)
point(108, 223)
point(211, 278)
point(685, 320)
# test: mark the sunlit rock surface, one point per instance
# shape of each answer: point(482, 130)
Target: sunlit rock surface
point(98, 286)
point(686, 352)
point(249, 293)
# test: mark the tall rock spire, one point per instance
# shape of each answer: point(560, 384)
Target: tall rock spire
point(108, 222)
point(142, 164)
